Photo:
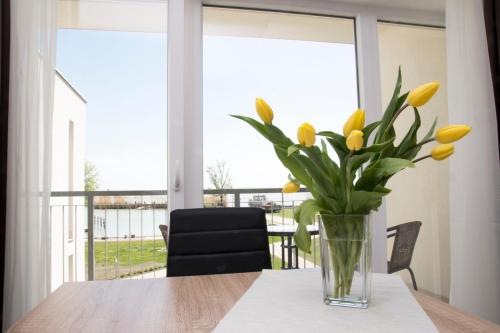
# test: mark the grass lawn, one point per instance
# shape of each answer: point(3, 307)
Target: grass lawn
point(274, 239)
point(276, 262)
point(288, 213)
point(120, 259)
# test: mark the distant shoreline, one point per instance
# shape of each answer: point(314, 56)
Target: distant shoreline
point(138, 206)
point(122, 239)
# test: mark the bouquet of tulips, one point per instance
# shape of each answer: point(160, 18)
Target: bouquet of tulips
point(367, 158)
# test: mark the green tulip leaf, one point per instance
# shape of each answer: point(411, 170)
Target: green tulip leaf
point(391, 108)
point(324, 149)
point(411, 153)
point(292, 149)
point(270, 132)
point(382, 189)
point(277, 136)
point(377, 147)
point(379, 171)
point(254, 123)
point(333, 135)
point(297, 170)
point(337, 142)
point(304, 215)
point(302, 238)
point(410, 139)
point(332, 167)
point(314, 153)
point(356, 161)
point(363, 202)
point(430, 133)
point(367, 131)
point(320, 177)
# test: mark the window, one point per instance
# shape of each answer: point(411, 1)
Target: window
point(112, 100)
point(304, 66)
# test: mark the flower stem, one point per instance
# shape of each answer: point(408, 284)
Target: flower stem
point(394, 117)
point(421, 158)
point(422, 143)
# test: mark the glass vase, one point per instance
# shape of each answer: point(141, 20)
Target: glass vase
point(346, 259)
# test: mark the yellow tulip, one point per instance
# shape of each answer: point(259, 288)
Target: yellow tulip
point(291, 187)
point(421, 95)
point(451, 133)
point(264, 110)
point(441, 152)
point(355, 122)
point(355, 140)
point(306, 134)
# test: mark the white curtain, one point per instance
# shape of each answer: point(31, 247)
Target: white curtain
point(27, 252)
point(475, 170)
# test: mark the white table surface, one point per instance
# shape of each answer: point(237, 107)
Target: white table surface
point(292, 301)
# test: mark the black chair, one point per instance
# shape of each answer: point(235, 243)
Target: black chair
point(405, 236)
point(217, 240)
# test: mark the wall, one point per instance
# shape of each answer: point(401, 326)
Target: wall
point(67, 175)
point(422, 193)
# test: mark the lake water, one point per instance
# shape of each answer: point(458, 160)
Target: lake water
point(124, 222)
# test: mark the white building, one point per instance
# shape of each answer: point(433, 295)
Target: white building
point(68, 214)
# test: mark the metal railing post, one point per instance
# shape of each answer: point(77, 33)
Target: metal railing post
point(90, 236)
point(237, 198)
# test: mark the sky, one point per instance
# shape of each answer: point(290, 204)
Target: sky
point(123, 76)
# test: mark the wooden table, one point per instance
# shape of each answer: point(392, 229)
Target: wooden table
point(178, 304)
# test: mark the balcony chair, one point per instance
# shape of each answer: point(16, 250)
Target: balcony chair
point(164, 233)
point(405, 236)
point(217, 240)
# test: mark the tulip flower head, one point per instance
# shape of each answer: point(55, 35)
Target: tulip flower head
point(264, 110)
point(355, 140)
point(355, 122)
point(306, 134)
point(452, 133)
point(421, 95)
point(442, 152)
point(291, 187)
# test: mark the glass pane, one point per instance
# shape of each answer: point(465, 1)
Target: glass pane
point(110, 133)
point(420, 193)
point(304, 66)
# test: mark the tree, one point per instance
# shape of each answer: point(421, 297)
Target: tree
point(91, 177)
point(219, 177)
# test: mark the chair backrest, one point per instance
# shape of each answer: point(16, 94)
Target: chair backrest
point(164, 233)
point(217, 240)
point(405, 236)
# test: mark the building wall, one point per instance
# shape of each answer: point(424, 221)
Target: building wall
point(68, 215)
point(422, 193)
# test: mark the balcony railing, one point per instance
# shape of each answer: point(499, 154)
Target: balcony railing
point(115, 234)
